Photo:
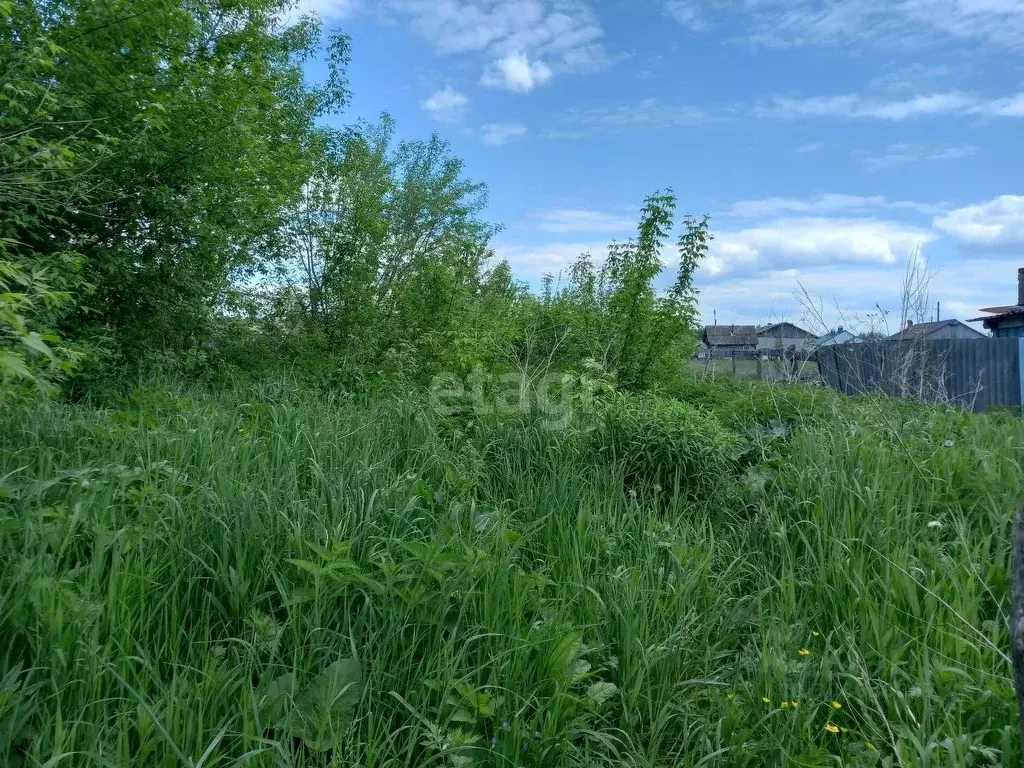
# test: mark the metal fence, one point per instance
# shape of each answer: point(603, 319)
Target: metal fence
point(974, 373)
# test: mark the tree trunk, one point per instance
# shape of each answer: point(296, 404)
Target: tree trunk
point(1017, 614)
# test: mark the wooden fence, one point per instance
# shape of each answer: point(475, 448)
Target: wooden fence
point(975, 373)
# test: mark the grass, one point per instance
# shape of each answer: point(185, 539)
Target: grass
point(273, 577)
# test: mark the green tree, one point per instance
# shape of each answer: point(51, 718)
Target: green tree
point(388, 247)
point(205, 123)
point(40, 181)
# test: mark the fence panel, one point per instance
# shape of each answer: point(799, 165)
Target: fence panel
point(975, 373)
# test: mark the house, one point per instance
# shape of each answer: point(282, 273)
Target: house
point(729, 340)
point(784, 336)
point(839, 336)
point(1006, 322)
point(943, 329)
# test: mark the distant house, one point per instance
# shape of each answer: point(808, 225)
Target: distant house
point(839, 336)
point(1007, 322)
point(943, 329)
point(784, 336)
point(728, 340)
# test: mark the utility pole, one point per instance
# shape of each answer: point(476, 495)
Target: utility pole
point(938, 311)
point(716, 316)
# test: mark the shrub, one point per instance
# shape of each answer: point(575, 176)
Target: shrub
point(677, 446)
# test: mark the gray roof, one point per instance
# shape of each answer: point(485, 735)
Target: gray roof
point(923, 330)
point(800, 331)
point(835, 334)
point(731, 335)
point(993, 320)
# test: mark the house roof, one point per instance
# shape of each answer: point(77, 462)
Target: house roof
point(831, 335)
point(923, 330)
point(1002, 313)
point(801, 331)
point(731, 335)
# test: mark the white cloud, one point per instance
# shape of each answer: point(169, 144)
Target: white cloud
point(533, 261)
point(852, 295)
point(854, 106)
point(809, 147)
point(446, 105)
point(496, 134)
point(996, 224)
point(888, 23)
point(902, 154)
point(550, 36)
point(649, 113)
point(1010, 106)
point(576, 220)
point(686, 12)
point(517, 73)
point(813, 240)
point(828, 204)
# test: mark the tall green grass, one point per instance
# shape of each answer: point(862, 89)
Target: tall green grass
point(276, 577)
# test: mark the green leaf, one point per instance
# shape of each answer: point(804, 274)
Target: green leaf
point(599, 693)
point(321, 713)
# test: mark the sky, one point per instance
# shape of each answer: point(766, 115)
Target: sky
point(829, 141)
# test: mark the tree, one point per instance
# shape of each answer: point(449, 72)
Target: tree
point(192, 124)
point(616, 315)
point(387, 245)
point(40, 180)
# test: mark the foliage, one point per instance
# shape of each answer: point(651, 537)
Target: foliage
point(167, 557)
point(615, 313)
point(666, 446)
point(387, 247)
point(39, 165)
point(187, 125)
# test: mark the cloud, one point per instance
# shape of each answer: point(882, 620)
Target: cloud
point(860, 107)
point(523, 43)
point(686, 12)
point(828, 204)
point(903, 154)
point(497, 134)
point(533, 261)
point(574, 220)
point(649, 113)
point(1010, 106)
point(857, 107)
point(809, 147)
point(848, 294)
point(517, 73)
point(813, 240)
point(898, 24)
point(446, 105)
point(996, 224)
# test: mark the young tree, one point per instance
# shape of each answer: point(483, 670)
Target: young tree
point(205, 121)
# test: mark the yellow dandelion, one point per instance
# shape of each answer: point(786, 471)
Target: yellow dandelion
point(804, 652)
point(784, 705)
point(832, 728)
point(816, 634)
point(794, 704)
point(836, 705)
point(766, 700)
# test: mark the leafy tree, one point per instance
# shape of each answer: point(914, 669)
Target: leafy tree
point(40, 169)
point(388, 246)
point(205, 123)
point(616, 315)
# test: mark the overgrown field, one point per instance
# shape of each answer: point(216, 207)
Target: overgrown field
point(734, 575)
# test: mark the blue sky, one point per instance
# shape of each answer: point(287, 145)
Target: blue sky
point(828, 140)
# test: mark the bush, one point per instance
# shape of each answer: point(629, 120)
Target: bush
point(668, 444)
